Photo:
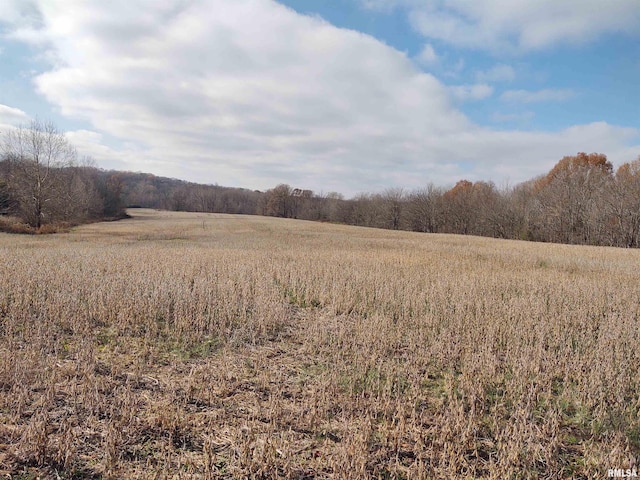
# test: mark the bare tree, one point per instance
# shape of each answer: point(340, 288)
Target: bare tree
point(78, 198)
point(368, 210)
point(336, 210)
point(393, 200)
point(624, 205)
point(425, 209)
point(36, 154)
point(204, 198)
point(6, 201)
point(515, 212)
point(571, 195)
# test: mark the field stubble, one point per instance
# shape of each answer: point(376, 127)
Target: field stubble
point(212, 346)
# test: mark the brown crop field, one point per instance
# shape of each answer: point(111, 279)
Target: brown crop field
point(177, 345)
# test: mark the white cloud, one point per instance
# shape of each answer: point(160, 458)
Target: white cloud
point(19, 13)
point(211, 91)
point(10, 116)
point(427, 55)
point(25, 18)
point(497, 73)
point(517, 25)
point(478, 91)
point(546, 95)
point(204, 90)
point(131, 156)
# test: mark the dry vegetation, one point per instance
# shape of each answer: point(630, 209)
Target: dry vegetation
point(177, 345)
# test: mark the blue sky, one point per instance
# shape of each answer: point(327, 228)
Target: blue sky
point(347, 96)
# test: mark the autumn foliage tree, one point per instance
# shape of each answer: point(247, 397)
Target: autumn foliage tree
point(469, 208)
point(571, 198)
point(459, 208)
point(279, 202)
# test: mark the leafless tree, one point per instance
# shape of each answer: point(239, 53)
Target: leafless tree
point(393, 200)
point(571, 198)
point(424, 209)
point(624, 205)
point(6, 201)
point(36, 154)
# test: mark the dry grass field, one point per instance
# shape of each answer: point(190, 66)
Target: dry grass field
point(176, 345)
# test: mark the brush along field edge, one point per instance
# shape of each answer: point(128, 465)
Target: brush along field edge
point(178, 345)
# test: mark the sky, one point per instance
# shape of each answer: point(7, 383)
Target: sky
point(347, 95)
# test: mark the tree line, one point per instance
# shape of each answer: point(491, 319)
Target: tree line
point(581, 200)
